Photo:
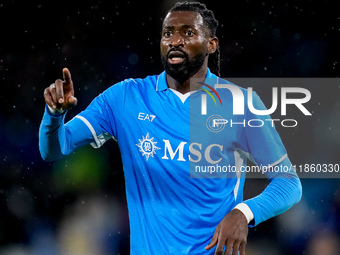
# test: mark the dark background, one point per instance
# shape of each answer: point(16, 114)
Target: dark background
point(77, 205)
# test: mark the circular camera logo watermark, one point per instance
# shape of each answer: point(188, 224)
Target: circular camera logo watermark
point(215, 123)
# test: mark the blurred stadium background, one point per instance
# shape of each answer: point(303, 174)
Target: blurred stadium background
point(77, 205)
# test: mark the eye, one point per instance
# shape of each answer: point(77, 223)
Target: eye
point(167, 33)
point(189, 33)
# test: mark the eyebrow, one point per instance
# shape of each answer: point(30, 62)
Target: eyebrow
point(182, 26)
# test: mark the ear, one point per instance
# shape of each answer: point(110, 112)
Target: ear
point(212, 45)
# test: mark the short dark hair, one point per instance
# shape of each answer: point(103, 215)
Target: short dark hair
point(210, 22)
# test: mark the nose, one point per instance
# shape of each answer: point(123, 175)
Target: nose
point(176, 40)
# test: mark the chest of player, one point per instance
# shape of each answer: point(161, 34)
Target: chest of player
point(170, 129)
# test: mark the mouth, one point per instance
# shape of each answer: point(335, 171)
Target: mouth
point(176, 57)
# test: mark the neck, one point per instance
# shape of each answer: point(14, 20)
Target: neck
point(184, 86)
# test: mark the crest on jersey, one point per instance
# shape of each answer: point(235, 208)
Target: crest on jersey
point(147, 146)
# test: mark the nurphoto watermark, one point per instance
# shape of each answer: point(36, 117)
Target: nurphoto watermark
point(240, 120)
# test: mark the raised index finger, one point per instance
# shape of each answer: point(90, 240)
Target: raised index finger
point(67, 75)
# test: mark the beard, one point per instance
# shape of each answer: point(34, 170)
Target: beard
point(183, 71)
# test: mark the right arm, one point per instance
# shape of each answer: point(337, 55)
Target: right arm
point(57, 139)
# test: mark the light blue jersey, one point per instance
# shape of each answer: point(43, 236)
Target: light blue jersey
point(170, 212)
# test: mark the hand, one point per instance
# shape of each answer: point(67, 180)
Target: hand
point(60, 94)
point(231, 232)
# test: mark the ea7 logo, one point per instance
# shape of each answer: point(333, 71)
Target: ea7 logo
point(238, 100)
point(145, 116)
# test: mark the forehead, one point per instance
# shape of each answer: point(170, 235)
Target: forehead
point(183, 19)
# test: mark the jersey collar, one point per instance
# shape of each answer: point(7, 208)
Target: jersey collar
point(162, 84)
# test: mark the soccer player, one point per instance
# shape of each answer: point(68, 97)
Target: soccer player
point(170, 212)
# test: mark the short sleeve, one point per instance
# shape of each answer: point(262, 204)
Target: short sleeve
point(102, 114)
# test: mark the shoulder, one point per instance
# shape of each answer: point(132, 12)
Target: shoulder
point(131, 86)
point(229, 88)
point(136, 83)
point(223, 85)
